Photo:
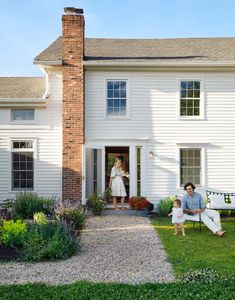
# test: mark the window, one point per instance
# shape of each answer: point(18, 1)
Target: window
point(116, 98)
point(190, 166)
point(138, 175)
point(22, 165)
point(190, 94)
point(22, 115)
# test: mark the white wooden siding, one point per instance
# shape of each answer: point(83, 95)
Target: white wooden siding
point(153, 116)
point(48, 133)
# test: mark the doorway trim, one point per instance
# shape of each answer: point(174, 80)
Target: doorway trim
point(101, 144)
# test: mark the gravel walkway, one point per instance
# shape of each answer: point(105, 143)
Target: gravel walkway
point(115, 248)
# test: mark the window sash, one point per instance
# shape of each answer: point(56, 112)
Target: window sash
point(116, 98)
point(190, 165)
point(190, 98)
point(22, 114)
point(22, 169)
point(22, 145)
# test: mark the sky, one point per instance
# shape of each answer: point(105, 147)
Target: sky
point(27, 27)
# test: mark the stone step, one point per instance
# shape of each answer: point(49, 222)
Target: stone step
point(110, 211)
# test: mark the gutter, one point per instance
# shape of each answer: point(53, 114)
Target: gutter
point(48, 62)
point(134, 64)
point(23, 102)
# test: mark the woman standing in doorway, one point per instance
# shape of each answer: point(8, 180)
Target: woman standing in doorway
point(116, 183)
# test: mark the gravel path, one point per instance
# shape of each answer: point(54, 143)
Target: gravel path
point(115, 248)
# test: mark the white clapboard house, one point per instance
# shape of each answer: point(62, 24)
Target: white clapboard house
point(165, 106)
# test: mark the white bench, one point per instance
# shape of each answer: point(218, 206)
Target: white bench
point(221, 201)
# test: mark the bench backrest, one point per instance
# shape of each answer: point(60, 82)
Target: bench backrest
point(217, 200)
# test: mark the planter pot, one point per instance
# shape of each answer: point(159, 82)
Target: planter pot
point(8, 253)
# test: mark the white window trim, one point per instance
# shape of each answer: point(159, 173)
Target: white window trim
point(128, 98)
point(10, 150)
point(203, 163)
point(22, 122)
point(202, 98)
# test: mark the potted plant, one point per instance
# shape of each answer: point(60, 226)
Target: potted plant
point(138, 202)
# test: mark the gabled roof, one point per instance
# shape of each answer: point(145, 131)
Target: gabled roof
point(22, 87)
point(147, 50)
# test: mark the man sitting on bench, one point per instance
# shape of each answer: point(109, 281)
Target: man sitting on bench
point(195, 210)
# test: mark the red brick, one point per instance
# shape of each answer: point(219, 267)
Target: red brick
point(73, 105)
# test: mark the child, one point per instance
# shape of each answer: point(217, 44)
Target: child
point(177, 216)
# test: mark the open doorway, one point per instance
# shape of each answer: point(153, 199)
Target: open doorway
point(111, 153)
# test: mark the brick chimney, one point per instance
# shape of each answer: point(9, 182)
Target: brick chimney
point(73, 102)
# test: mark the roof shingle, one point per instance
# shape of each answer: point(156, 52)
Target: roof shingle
point(22, 87)
point(158, 50)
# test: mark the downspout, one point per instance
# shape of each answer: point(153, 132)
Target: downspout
point(46, 73)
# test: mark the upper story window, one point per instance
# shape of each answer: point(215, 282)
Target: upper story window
point(22, 115)
point(190, 96)
point(116, 97)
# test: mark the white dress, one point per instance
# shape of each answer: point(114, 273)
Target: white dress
point(118, 187)
point(177, 215)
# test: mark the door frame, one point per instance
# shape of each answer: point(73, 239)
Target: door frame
point(132, 163)
point(121, 150)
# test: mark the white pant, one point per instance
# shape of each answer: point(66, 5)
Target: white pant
point(211, 218)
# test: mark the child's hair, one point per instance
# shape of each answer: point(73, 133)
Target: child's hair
point(178, 201)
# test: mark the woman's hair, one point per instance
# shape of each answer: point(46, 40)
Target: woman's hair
point(189, 184)
point(178, 201)
point(116, 160)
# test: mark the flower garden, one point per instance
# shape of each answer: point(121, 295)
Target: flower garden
point(34, 228)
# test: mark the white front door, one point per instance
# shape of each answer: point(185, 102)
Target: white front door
point(93, 172)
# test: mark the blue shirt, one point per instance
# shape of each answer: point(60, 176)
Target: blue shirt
point(193, 202)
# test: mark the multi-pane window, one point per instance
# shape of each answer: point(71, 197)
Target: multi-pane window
point(22, 114)
point(138, 175)
point(116, 98)
point(190, 166)
point(22, 165)
point(190, 98)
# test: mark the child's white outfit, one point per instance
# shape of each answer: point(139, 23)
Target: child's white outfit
point(177, 215)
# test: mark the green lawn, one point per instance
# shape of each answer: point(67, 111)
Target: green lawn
point(198, 250)
point(92, 291)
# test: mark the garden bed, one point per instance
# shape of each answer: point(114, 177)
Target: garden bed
point(34, 228)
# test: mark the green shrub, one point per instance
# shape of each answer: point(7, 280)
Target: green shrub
point(48, 206)
point(164, 206)
point(227, 212)
point(107, 194)
point(13, 233)
point(28, 203)
point(40, 218)
point(49, 242)
point(96, 203)
point(73, 215)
